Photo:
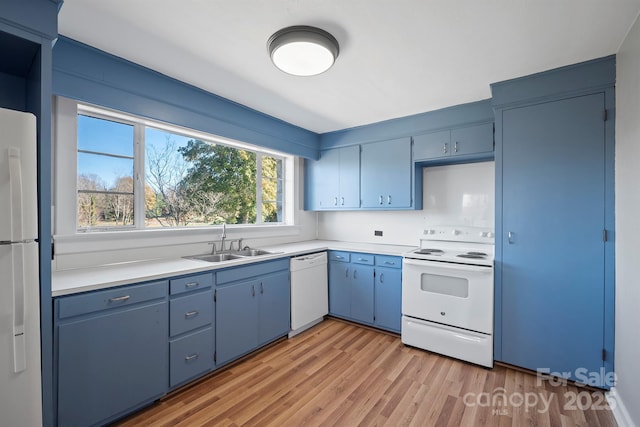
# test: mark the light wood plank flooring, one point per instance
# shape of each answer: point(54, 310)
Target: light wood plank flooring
point(339, 374)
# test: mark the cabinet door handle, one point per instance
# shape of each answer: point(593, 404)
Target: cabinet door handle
point(380, 199)
point(120, 299)
point(389, 199)
point(381, 277)
point(261, 288)
point(190, 314)
point(510, 237)
point(346, 272)
point(253, 290)
point(455, 147)
point(355, 273)
point(342, 201)
point(191, 284)
point(191, 357)
point(335, 201)
point(444, 148)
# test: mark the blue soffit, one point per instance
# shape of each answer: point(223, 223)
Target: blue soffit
point(87, 74)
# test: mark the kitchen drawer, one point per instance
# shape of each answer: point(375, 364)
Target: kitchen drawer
point(339, 256)
point(357, 258)
point(110, 298)
point(388, 261)
point(191, 355)
point(191, 283)
point(190, 312)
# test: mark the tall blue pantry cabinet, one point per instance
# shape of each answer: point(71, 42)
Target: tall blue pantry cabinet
point(28, 29)
point(554, 213)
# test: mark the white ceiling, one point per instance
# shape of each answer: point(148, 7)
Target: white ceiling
point(397, 57)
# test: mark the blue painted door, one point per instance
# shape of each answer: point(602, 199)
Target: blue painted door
point(362, 293)
point(386, 174)
point(431, 145)
point(236, 320)
point(349, 194)
point(110, 363)
point(340, 288)
point(326, 179)
point(553, 220)
point(274, 306)
point(388, 298)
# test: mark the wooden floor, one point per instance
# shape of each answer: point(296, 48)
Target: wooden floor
point(339, 374)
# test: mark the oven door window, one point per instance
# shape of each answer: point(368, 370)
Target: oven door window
point(444, 285)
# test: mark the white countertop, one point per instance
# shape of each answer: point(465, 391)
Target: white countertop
point(88, 279)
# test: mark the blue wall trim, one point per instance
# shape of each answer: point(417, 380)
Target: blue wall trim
point(87, 74)
point(566, 81)
point(465, 114)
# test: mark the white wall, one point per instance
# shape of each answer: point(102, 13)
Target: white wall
point(452, 195)
point(627, 356)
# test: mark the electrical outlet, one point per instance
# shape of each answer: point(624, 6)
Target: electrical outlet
point(377, 233)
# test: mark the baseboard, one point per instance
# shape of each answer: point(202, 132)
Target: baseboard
point(618, 409)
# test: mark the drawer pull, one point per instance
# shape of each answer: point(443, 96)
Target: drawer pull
point(362, 259)
point(190, 314)
point(191, 284)
point(390, 262)
point(120, 299)
point(339, 257)
point(192, 357)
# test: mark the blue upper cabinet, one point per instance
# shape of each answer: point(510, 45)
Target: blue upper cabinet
point(385, 174)
point(333, 182)
point(453, 146)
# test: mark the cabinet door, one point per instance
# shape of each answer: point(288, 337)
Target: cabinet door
point(324, 179)
point(472, 140)
point(386, 174)
point(362, 293)
point(110, 363)
point(340, 288)
point(553, 252)
point(431, 145)
point(236, 320)
point(388, 298)
point(349, 194)
point(274, 306)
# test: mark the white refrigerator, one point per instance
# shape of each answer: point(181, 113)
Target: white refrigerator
point(20, 368)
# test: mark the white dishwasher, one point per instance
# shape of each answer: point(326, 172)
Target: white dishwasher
point(309, 291)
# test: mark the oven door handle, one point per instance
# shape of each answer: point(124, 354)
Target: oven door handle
point(447, 266)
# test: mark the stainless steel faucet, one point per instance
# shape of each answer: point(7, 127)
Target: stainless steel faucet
point(224, 235)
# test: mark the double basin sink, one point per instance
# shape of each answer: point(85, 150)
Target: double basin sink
point(229, 256)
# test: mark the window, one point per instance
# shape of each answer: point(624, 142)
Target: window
point(136, 174)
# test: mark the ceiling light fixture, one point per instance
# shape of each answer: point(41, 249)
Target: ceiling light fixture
point(302, 50)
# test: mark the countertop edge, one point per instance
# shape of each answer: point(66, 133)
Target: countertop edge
point(69, 282)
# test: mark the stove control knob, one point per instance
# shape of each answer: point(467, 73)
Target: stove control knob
point(455, 232)
point(429, 231)
point(483, 234)
point(489, 234)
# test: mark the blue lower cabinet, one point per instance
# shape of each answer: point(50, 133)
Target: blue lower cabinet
point(366, 288)
point(362, 293)
point(274, 307)
point(191, 356)
point(253, 307)
point(388, 298)
point(111, 361)
point(236, 320)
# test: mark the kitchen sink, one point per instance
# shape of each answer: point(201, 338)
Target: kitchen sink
point(215, 257)
point(252, 252)
point(229, 256)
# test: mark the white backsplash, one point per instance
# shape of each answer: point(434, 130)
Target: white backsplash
point(452, 195)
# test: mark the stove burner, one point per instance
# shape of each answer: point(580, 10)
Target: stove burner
point(473, 255)
point(429, 252)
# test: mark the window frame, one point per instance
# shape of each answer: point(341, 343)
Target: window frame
point(64, 184)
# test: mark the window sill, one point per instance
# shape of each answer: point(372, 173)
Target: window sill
point(82, 243)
